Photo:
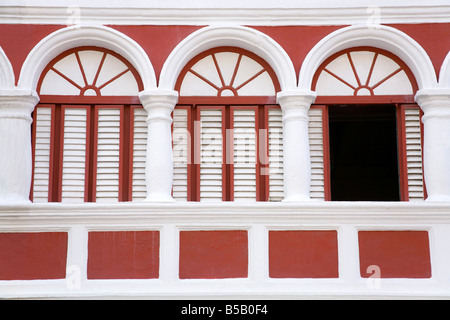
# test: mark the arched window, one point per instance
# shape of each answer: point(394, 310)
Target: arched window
point(89, 131)
point(227, 129)
point(371, 127)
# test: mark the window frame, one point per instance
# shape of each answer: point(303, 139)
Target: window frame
point(261, 104)
point(58, 103)
point(400, 101)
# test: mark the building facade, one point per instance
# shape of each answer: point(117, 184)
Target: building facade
point(224, 150)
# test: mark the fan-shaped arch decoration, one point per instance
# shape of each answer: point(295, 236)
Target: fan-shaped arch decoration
point(90, 71)
point(364, 71)
point(227, 72)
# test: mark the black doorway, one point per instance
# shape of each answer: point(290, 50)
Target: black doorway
point(363, 153)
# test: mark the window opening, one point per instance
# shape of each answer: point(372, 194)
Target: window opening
point(363, 153)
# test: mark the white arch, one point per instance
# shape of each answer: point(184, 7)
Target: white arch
point(6, 72)
point(100, 36)
point(444, 75)
point(383, 37)
point(237, 36)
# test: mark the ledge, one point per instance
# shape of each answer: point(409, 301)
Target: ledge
point(224, 214)
point(239, 15)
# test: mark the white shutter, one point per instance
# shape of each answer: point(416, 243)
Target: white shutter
point(244, 154)
point(316, 149)
point(108, 155)
point(211, 149)
point(74, 155)
point(139, 154)
point(42, 154)
point(414, 153)
point(276, 180)
point(180, 154)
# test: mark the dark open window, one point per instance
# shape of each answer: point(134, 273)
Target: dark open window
point(363, 153)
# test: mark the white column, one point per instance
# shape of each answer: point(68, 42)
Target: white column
point(15, 145)
point(296, 152)
point(159, 105)
point(435, 104)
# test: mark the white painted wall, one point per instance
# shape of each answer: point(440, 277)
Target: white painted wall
point(222, 4)
point(258, 219)
point(249, 12)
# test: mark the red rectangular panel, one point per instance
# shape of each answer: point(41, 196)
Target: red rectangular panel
point(303, 254)
point(396, 254)
point(213, 254)
point(33, 256)
point(123, 255)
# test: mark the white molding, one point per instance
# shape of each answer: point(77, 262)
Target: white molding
point(444, 75)
point(383, 37)
point(14, 217)
point(70, 37)
point(330, 14)
point(243, 37)
point(7, 80)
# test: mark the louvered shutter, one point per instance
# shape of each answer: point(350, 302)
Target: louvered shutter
point(180, 154)
point(275, 128)
point(211, 154)
point(42, 121)
point(414, 153)
point(316, 149)
point(139, 153)
point(74, 155)
point(244, 154)
point(108, 154)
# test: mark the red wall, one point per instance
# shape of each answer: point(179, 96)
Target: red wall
point(158, 41)
point(396, 254)
point(303, 254)
point(213, 254)
point(123, 255)
point(216, 254)
point(33, 256)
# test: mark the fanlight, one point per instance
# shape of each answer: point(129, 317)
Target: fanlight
point(227, 72)
point(364, 72)
point(89, 72)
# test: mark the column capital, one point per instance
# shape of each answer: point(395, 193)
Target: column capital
point(296, 98)
point(295, 104)
point(18, 104)
point(435, 103)
point(158, 98)
point(159, 104)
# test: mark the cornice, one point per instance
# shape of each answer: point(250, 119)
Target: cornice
point(238, 16)
point(220, 214)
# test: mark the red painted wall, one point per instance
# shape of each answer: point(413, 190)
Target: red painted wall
point(213, 254)
point(396, 254)
point(123, 255)
point(33, 256)
point(158, 41)
point(303, 254)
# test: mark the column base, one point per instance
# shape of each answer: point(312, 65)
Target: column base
point(298, 198)
point(438, 198)
point(155, 198)
point(14, 200)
